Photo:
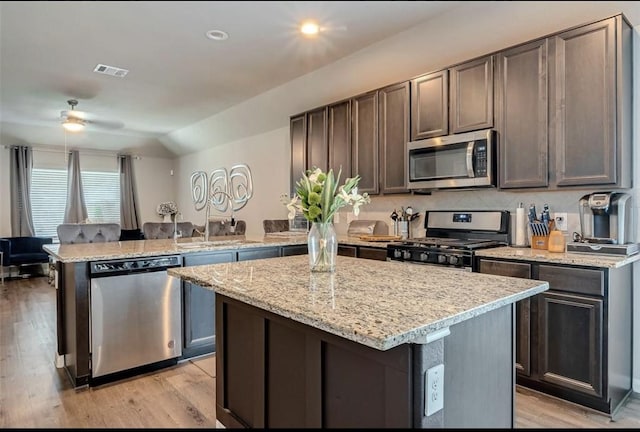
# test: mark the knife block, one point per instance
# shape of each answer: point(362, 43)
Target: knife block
point(542, 242)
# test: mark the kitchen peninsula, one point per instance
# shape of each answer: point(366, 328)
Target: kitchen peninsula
point(360, 347)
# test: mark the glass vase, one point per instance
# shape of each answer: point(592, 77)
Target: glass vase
point(322, 243)
point(167, 218)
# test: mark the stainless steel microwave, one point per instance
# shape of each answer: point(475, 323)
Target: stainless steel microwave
point(465, 160)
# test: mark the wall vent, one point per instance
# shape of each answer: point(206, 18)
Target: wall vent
point(111, 70)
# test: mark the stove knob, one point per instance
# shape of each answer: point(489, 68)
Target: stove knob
point(406, 254)
point(453, 260)
point(397, 253)
point(424, 257)
point(442, 259)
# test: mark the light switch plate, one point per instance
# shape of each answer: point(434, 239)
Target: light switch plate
point(434, 390)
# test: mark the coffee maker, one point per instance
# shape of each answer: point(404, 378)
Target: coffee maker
point(605, 218)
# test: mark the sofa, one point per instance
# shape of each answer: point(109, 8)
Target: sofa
point(20, 251)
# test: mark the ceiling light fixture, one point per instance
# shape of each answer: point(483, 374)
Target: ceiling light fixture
point(73, 124)
point(309, 28)
point(217, 35)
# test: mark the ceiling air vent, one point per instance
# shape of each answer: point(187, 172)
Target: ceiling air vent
point(111, 70)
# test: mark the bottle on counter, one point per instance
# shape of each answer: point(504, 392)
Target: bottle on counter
point(557, 242)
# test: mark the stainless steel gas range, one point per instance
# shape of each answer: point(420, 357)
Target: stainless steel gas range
point(452, 237)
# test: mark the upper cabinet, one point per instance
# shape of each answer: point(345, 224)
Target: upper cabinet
point(458, 99)
point(364, 141)
point(430, 105)
point(564, 109)
point(339, 130)
point(298, 135)
point(522, 102)
point(471, 96)
point(317, 143)
point(393, 125)
point(590, 75)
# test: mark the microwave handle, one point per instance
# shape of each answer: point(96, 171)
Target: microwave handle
point(470, 171)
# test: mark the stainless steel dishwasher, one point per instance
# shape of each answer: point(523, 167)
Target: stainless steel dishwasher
point(135, 315)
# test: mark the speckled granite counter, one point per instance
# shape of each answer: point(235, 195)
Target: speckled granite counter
point(571, 258)
point(378, 304)
point(145, 248)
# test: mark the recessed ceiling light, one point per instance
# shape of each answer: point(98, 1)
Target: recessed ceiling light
point(309, 28)
point(218, 35)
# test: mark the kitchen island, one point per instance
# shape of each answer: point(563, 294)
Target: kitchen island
point(361, 346)
point(75, 265)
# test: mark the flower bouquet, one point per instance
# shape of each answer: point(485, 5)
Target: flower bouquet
point(167, 209)
point(318, 197)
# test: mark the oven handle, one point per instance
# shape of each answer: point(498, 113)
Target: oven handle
point(446, 267)
point(470, 172)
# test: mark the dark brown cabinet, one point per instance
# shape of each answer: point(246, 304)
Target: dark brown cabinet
point(317, 143)
point(471, 95)
point(298, 135)
point(579, 332)
point(523, 309)
point(364, 141)
point(199, 307)
point(563, 109)
point(339, 132)
point(590, 75)
point(393, 124)
point(430, 105)
point(522, 103)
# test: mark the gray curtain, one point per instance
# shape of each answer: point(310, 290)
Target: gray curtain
point(76, 210)
point(129, 217)
point(20, 184)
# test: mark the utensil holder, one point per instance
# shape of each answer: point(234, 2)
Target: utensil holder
point(541, 241)
point(403, 229)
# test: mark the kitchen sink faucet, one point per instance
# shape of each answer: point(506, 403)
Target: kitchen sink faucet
point(210, 202)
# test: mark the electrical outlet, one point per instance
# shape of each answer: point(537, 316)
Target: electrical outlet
point(561, 221)
point(434, 390)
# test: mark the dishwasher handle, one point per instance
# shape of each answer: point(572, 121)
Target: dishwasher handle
point(127, 266)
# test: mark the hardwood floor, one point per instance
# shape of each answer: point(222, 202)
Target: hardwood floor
point(34, 394)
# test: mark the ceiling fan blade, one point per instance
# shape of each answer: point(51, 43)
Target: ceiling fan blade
point(105, 124)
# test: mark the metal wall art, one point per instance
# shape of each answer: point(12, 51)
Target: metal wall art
point(221, 189)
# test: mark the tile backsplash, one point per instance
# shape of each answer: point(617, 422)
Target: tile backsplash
point(381, 207)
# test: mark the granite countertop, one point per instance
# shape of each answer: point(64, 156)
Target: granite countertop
point(82, 252)
point(571, 258)
point(380, 304)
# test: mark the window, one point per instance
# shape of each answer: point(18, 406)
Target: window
point(49, 198)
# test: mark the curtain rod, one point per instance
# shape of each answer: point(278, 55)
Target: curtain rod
point(87, 152)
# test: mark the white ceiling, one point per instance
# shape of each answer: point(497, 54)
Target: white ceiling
point(177, 76)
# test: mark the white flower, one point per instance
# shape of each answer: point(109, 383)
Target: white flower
point(313, 177)
point(293, 207)
point(167, 208)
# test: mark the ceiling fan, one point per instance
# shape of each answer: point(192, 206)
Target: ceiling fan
point(74, 121)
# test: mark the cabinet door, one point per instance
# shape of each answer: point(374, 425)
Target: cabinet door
point(584, 105)
point(294, 250)
point(430, 105)
point(523, 309)
point(471, 95)
point(372, 253)
point(267, 252)
point(521, 115)
point(393, 123)
point(317, 143)
point(351, 251)
point(298, 134)
point(199, 308)
point(340, 139)
point(364, 141)
point(571, 342)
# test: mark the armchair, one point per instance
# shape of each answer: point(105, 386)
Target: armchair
point(19, 251)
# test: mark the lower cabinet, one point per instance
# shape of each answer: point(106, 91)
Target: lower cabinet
point(293, 250)
point(199, 308)
point(574, 341)
point(363, 252)
point(258, 253)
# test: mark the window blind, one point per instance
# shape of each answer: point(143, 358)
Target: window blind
point(49, 197)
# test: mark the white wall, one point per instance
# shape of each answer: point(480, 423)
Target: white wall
point(155, 184)
point(5, 196)
point(256, 132)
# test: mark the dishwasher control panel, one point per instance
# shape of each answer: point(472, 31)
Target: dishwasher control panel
point(133, 265)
